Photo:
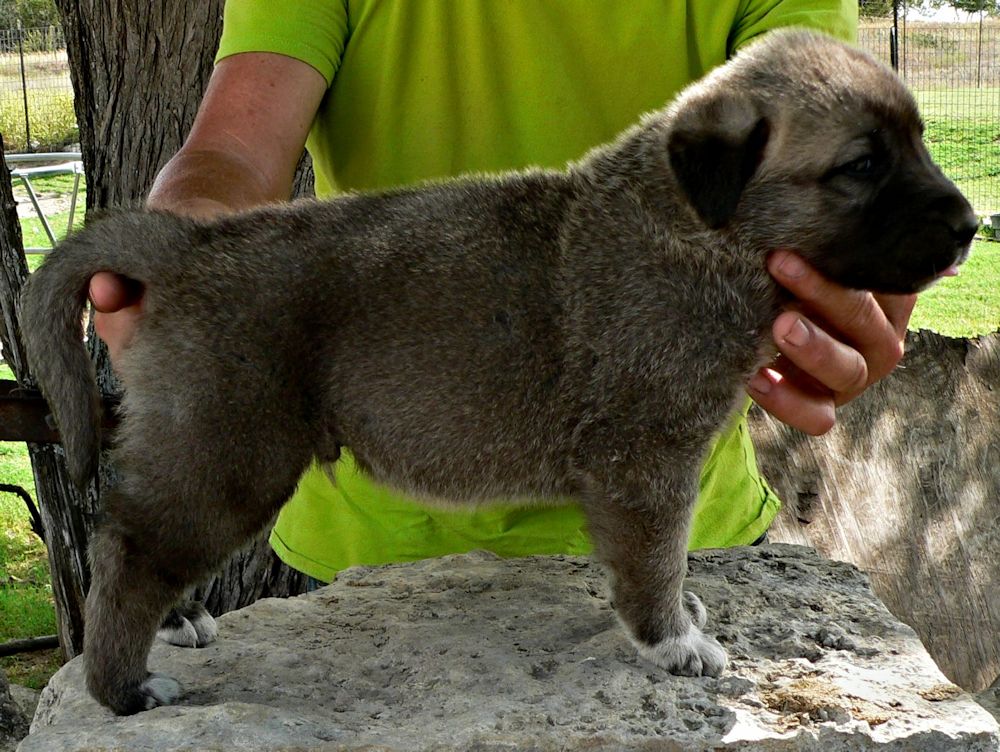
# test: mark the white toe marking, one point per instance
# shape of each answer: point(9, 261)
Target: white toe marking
point(206, 628)
point(692, 654)
point(185, 636)
point(695, 608)
point(160, 690)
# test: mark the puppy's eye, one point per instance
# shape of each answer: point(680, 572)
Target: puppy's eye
point(862, 167)
point(868, 168)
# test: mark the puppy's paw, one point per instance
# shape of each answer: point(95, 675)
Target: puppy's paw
point(188, 625)
point(694, 608)
point(159, 689)
point(178, 632)
point(155, 690)
point(204, 625)
point(692, 654)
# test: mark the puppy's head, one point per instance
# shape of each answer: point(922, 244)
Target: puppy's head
point(805, 143)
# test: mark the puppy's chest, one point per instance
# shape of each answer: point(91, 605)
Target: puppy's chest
point(727, 303)
point(726, 325)
point(695, 327)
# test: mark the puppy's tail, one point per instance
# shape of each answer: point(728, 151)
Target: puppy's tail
point(52, 305)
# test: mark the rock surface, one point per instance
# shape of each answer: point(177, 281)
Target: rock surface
point(990, 699)
point(478, 653)
point(13, 722)
point(26, 699)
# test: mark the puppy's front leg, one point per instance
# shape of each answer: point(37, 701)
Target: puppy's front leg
point(639, 521)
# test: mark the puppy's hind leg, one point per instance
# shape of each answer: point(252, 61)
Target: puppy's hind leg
point(174, 518)
point(128, 595)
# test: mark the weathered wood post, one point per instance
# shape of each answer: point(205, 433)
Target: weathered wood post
point(67, 516)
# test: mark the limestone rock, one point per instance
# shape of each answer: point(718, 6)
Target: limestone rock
point(26, 699)
point(990, 699)
point(479, 653)
point(13, 722)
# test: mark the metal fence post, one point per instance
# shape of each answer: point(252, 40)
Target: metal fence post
point(894, 37)
point(979, 53)
point(24, 86)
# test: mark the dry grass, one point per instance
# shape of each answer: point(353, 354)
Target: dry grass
point(49, 97)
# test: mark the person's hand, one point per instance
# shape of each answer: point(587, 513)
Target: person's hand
point(833, 343)
point(117, 304)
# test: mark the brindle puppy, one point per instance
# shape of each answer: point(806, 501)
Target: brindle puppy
point(531, 335)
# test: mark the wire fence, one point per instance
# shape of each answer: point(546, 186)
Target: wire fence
point(953, 68)
point(36, 96)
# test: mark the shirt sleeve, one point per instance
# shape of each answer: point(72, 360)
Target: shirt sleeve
point(839, 18)
point(313, 31)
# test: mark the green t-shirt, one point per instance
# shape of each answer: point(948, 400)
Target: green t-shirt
point(422, 89)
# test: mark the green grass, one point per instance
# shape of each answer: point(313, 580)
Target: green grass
point(966, 305)
point(968, 151)
point(22, 554)
point(26, 607)
point(53, 185)
point(31, 669)
point(963, 135)
point(33, 234)
point(49, 186)
point(942, 103)
point(50, 114)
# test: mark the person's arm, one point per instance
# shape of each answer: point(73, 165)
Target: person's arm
point(242, 151)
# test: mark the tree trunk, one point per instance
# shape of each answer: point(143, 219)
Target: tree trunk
point(139, 70)
point(14, 269)
point(67, 516)
point(907, 487)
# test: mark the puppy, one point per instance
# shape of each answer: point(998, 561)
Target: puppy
point(540, 334)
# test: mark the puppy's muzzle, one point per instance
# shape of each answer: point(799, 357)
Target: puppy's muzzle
point(960, 223)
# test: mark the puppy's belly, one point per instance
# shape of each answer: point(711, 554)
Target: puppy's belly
point(448, 457)
point(460, 408)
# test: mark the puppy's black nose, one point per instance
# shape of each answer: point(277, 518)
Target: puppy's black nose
point(964, 230)
point(952, 209)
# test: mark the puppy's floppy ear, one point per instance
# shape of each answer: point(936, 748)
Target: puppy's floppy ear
point(714, 146)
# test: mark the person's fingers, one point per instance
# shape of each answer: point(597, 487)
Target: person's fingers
point(834, 343)
point(111, 292)
point(897, 309)
point(875, 326)
point(793, 402)
point(117, 329)
point(117, 304)
point(836, 366)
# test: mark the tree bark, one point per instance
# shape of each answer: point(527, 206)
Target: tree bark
point(67, 516)
point(14, 269)
point(907, 487)
point(138, 70)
